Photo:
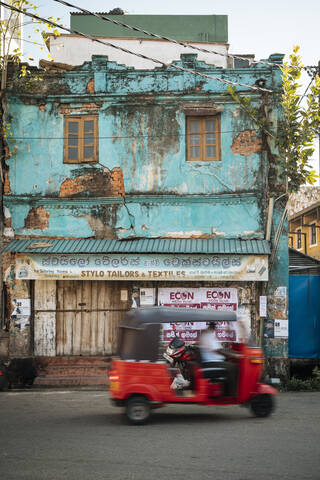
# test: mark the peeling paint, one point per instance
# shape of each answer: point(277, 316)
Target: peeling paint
point(100, 229)
point(217, 233)
point(90, 86)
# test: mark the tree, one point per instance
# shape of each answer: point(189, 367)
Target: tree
point(291, 145)
point(300, 124)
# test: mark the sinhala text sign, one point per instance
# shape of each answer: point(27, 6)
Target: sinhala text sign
point(218, 299)
point(142, 267)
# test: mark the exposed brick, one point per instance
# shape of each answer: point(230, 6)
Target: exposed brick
point(90, 86)
point(7, 222)
point(6, 187)
point(85, 107)
point(96, 184)
point(38, 218)
point(117, 181)
point(246, 144)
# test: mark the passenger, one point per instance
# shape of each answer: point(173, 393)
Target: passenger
point(214, 357)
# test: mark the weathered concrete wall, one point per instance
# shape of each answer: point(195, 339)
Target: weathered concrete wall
point(142, 185)
point(76, 50)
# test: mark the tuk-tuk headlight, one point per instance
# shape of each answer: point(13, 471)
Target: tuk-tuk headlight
point(257, 360)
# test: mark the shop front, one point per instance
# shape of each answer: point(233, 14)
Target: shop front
point(76, 300)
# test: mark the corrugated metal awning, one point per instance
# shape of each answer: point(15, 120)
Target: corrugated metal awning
point(148, 245)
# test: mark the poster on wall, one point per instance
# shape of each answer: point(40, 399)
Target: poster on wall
point(218, 299)
point(281, 328)
point(21, 313)
point(147, 296)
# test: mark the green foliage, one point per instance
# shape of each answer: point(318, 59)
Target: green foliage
point(292, 144)
point(308, 385)
point(299, 126)
point(11, 30)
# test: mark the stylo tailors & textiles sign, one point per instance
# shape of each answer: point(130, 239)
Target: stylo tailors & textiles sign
point(142, 267)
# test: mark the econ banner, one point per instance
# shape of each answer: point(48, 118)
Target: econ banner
point(219, 299)
point(152, 267)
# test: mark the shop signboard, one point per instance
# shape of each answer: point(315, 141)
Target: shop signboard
point(218, 299)
point(151, 267)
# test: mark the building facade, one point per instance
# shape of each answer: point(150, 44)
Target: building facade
point(304, 221)
point(130, 187)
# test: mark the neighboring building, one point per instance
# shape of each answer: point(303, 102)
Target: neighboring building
point(304, 264)
point(209, 32)
point(136, 186)
point(304, 310)
point(304, 221)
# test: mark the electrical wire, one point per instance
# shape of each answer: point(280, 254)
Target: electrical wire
point(174, 66)
point(306, 90)
point(112, 137)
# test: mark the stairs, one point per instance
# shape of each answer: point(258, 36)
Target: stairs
point(72, 371)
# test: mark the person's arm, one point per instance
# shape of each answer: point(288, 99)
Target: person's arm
point(229, 354)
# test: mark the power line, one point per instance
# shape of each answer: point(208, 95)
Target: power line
point(115, 137)
point(94, 39)
point(162, 37)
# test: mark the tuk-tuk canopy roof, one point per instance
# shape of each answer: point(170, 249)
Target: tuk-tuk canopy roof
point(138, 317)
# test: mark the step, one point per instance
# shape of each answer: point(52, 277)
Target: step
point(74, 360)
point(71, 381)
point(73, 370)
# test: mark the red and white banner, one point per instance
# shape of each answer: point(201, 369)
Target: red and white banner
point(223, 299)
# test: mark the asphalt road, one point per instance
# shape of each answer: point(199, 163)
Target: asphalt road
point(53, 435)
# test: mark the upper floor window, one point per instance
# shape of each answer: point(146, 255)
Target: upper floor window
point(81, 139)
point(203, 138)
point(299, 239)
point(313, 234)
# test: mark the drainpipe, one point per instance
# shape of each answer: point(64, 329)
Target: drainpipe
point(269, 218)
point(272, 201)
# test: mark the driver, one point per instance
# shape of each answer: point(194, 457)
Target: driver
point(214, 356)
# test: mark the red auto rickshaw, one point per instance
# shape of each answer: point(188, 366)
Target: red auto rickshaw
point(140, 380)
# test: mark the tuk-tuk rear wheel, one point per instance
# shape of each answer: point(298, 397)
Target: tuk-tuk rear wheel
point(262, 405)
point(138, 410)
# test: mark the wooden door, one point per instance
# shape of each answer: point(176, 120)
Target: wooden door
point(45, 318)
point(88, 313)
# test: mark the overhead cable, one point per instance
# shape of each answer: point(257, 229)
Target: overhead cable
point(140, 55)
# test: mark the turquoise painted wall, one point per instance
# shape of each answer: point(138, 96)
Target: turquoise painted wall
point(142, 132)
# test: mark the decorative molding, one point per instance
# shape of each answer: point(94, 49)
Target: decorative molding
point(60, 203)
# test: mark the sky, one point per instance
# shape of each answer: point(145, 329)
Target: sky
point(255, 26)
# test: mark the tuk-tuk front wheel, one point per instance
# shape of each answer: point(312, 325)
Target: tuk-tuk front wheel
point(262, 405)
point(138, 410)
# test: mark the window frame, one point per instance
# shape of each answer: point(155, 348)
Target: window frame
point(81, 119)
point(202, 119)
point(299, 238)
point(311, 244)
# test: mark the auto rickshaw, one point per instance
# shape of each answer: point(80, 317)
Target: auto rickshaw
point(140, 380)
